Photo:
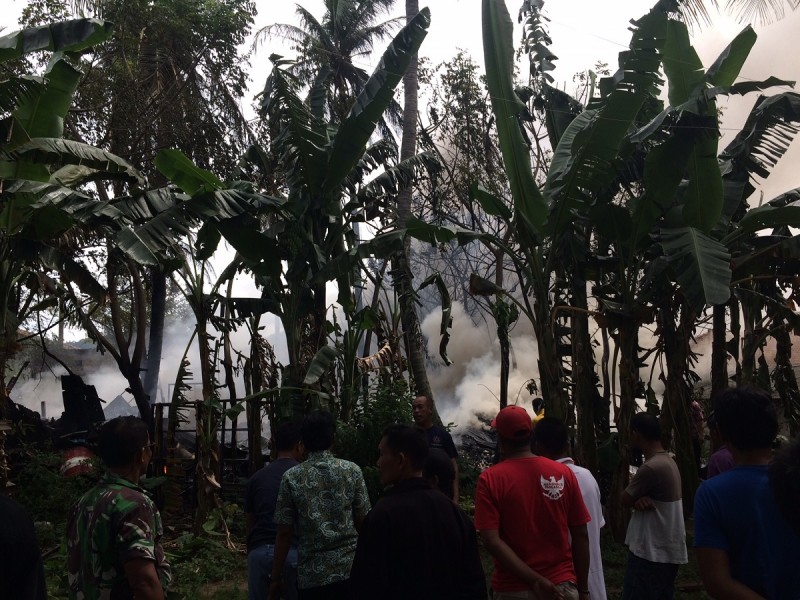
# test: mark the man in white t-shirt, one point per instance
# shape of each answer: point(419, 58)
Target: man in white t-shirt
point(551, 440)
point(656, 536)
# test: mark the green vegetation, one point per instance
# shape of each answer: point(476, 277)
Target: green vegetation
point(126, 164)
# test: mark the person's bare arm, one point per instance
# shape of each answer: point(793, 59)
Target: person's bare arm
point(503, 553)
point(715, 572)
point(143, 579)
point(580, 555)
point(643, 503)
point(455, 479)
point(283, 540)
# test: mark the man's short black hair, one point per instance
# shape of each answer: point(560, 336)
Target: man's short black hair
point(408, 440)
point(647, 426)
point(318, 430)
point(784, 478)
point(746, 417)
point(516, 444)
point(552, 435)
point(120, 439)
point(287, 435)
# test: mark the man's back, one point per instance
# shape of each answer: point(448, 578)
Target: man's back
point(416, 543)
point(736, 512)
point(591, 497)
point(21, 569)
point(260, 498)
point(111, 524)
point(531, 502)
point(321, 498)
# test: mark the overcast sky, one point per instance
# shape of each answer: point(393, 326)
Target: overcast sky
point(583, 32)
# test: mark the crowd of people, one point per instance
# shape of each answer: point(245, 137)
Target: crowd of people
point(312, 533)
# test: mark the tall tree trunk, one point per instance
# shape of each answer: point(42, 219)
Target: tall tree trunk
point(158, 308)
point(719, 352)
point(401, 272)
point(628, 341)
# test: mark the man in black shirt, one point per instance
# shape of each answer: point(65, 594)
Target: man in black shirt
point(259, 506)
point(438, 437)
point(416, 543)
point(21, 569)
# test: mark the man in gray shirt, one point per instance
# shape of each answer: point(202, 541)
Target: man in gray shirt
point(656, 536)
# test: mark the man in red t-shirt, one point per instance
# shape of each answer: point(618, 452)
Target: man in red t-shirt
point(526, 507)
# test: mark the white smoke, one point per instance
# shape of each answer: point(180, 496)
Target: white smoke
point(470, 387)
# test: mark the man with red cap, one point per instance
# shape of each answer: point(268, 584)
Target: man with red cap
point(526, 508)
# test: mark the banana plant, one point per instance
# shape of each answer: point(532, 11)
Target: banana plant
point(38, 172)
point(646, 183)
point(295, 245)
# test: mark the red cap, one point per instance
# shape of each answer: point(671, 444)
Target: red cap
point(512, 422)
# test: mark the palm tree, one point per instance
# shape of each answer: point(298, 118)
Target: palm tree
point(401, 271)
point(347, 32)
point(762, 11)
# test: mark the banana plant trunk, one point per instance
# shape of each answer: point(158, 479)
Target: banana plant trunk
point(207, 445)
point(585, 394)
point(158, 308)
point(675, 410)
point(628, 339)
point(784, 378)
point(750, 343)
point(553, 393)
point(719, 353)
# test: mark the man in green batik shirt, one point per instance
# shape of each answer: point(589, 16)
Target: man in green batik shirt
point(322, 501)
point(114, 531)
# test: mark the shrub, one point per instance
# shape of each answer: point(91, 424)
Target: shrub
point(358, 440)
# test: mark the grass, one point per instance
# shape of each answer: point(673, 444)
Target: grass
point(205, 569)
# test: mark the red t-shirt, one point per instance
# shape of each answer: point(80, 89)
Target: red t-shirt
point(531, 502)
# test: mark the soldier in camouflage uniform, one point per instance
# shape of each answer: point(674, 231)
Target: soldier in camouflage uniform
point(114, 531)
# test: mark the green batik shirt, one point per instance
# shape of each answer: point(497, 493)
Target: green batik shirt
point(321, 498)
point(112, 523)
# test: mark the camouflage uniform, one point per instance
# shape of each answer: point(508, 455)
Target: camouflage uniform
point(111, 524)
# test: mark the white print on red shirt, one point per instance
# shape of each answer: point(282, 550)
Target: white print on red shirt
point(552, 489)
